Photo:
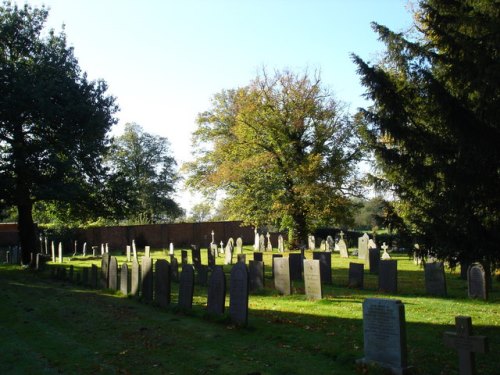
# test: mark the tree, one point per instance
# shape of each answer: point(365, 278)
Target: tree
point(53, 120)
point(143, 176)
point(282, 150)
point(434, 126)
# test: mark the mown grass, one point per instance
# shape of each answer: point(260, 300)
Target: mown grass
point(49, 326)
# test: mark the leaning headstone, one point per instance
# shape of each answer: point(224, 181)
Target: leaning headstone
point(312, 279)
point(135, 279)
point(256, 271)
point(147, 279)
point(384, 331)
point(262, 243)
point(388, 276)
point(363, 247)
point(325, 264)
point(104, 275)
point(113, 274)
point(162, 283)
point(356, 275)
point(282, 282)
point(257, 256)
point(466, 344)
point(295, 266)
point(435, 280)
point(342, 246)
point(186, 287)
point(238, 295)
point(147, 251)
point(239, 245)
point(124, 279)
point(216, 295)
point(476, 281)
point(373, 260)
point(174, 268)
point(94, 270)
point(184, 257)
point(281, 244)
point(201, 274)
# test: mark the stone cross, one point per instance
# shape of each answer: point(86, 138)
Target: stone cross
point(466, 344)
point(213, 237)
point(342, 235)
point(385, 255)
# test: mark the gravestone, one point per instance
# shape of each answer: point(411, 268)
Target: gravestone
point(228, 255)
point(94, 251)
point(171, 249)
point(363, 247)
point(84, 251)
point(256, 271)
point(39, 262)
point(325, 265)
point(134, 250)
point(59, 254)
point(94, 271)
point(104, 275)
point(330, 243)
point(85, 276)
point(201, 274)
point(476, 281)
point(384, 331)
point(216, 295)
point(242, 258)
point(435, 280)
point(356, 275)
point(295, 266)
point(323, 246)
point(147, 251)
point(162, 283)
point(184, 257)
point(344, 253)
point(272, 260)
point(174, 268)
point(102, 249)
point(373, 260)
point(128, 253)
point(269, 246)
point(135, 279)
point(239, 245)
point(281, 244)
point(282, 282)
point(385, 255)
point(186, 287)
point(256, 241)
point(124, 284)
point(113, 274)
point(238, 295)
point(312, 279)
point(466, 344)
point(211, 255)
point(388, 276)
point(257, 256)
point(262, 243)
point(214, 249)
point(147, 279)
point(53, 250)
point(311, 243)
point(371, 244)
point(196, 256)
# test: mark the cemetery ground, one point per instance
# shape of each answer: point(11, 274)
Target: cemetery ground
point(51, 326)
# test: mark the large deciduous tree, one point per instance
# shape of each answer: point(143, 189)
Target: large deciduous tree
point(434, 126)
point(282, 150)
point(143, 177)
point(53, 120)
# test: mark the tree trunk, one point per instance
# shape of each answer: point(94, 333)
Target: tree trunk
point(299, 231)
point(27, 234)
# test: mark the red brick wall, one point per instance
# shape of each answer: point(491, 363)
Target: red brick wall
point(9, 235)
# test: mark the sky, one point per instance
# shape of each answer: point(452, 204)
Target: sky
point(163, 59)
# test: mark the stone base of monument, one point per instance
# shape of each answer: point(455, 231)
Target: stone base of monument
point(394, 370)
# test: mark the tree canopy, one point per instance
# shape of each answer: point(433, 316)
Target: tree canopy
point(282, 150)
point(434, 126)
point(53, 120)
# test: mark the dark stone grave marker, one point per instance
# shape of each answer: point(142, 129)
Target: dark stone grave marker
point(113, 274)
point(184, 257)
point(94, 271)
point(186, 287)
point(435, 280)
point(356, 275)
point(196, 255)
point(388, 276)
point(135, 279)
point(242, 258)
point(374, 259)
point(256, 271)
point(147, 279)
point(174, 268)
point(216, 296)
point(104, 275)
point(238, 295)
point(325, 265)
point(257, 256)
point(162, 283)
point(201, 274)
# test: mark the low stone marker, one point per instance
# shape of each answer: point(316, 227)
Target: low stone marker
point(238, 295)
point(174, 268)
point(162, 283)
point(325, 264)
point(216, 295)
point(476, 281)
point(256, 271)
point(135, 279)
point(257, 256)
point(435, 280)
point(312, 279)
point(124, 283)
point(295, 266)
point(147, 279)
point(113, 274)
point(282, 282)
point(388, 276)
point(186, 287)
point(466, 344)
point(384, 331)
point(356, 275)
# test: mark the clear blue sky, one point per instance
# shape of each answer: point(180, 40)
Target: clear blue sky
point(163, 59)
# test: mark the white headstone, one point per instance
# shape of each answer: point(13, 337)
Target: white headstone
point(171, 249)
point(385, 255)
point(59, 252)
point(256, 240)
point(84, 249)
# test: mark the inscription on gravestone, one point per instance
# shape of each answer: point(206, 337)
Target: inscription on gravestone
point(435, 281)
point(282, 282)
point(186, 287)
point(124, 284)
point(238, 295)
point(256, 270)
point(216, 296)
point(312, 279)
point(162, 283)
point(356, 275)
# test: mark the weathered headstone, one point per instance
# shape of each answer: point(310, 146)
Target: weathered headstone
point(466, 344)
point(239, 245)
point(257, 256)
point(281, 244)
point(272, 260)
point(256, 243)
point(214, 250)
point(384, 331)
point(184, 257)
point(256, 271)
point(113, 274)
point(174, 268)
point(104, 275)
point(344, 253)
point(371, 244)
point(262, 243)
point(238, 294)
point(330, 243)
point(228, 255)
point(147, 251)
point(356, 275)
point(435, 280)
point(242, 258)
point(363, 247)
point(186, 287)
point(476, 281)
point(134, 250)
point(124, 284)
point(147, 279)
point(53, 250)
point(216, 295)
point(282, 282)
point(171, 249)
point(373, 259)
point(388, 276)
point(311, 243)
point(325, 265)
point(84, 250)
point(135, 279)
point(211, 256)
point(162, 283)
point(312, 279)
point(269, 246)
point(295, 266)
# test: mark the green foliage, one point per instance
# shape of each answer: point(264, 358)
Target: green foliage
point(282, 150)
point(434, 126)
point(53, 120)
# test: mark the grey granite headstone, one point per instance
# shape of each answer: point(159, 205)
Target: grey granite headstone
point(356, 275)
point(363, 247)
point(186, 287)
point(228, 254)
point(257, 256)
point(281, 244)
point(435, 280)
point(162, 283)
point(94, 271)
point(344, 253)
point(374, 259)
point(147, 279)
point(136, 278)
point(476, 281)
point(216, 295)
point(238, 294)
point(104, 275)
point(388, 276)
point(124, 283)
point(113, 274)
point(325, 264)
point(384, 331)
point(262, 243)
point(184, 257)
point(256, 271)
point(272, 260)
point(295, 266)
point(312, 279)
point(174, 268)
point(282, 282)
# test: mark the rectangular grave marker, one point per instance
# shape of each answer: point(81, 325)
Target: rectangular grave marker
point(113, 274)
point(356, 275)
point(216, 296)
point(104, 275)
point(325, 264)
point(435, 280)
point(174, 268)
point(374, 260)
point(162, 283)
point(135, 279)
point(282, 282)
point(295, 266)
point(256, 271)
point(388, 276)
point(124, 284)
point(186, 287)
point(312, 279)
point(257, 256)
point(184, 257)
point(238, 295)
point(147, 279)
point(476, 281)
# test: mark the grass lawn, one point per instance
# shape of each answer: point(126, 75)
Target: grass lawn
point(56, 327)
